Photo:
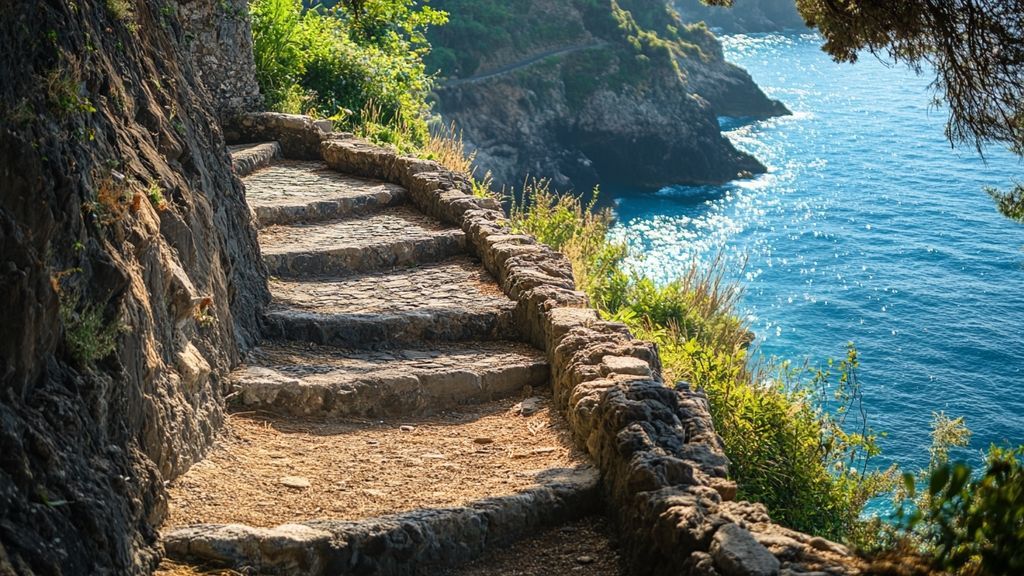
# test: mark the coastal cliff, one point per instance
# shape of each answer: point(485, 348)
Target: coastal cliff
point(592, 92)
point(130, 274)
point(744, 15)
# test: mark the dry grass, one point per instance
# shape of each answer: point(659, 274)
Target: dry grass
point(172, 568)
point(445, 146)
point(363, 469)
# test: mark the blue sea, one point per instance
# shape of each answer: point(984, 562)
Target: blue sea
point(868, 228)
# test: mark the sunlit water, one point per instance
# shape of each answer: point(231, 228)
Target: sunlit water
point(868, 228)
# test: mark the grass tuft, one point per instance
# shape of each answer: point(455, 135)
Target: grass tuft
point(87, 336)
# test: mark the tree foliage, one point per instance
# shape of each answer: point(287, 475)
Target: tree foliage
point(975, 47)
point(356, 62)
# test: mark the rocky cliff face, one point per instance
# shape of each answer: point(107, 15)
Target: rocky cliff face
point(616, 93)
point(129, 273)
point(744, 15)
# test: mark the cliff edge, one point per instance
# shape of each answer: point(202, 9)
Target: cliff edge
point(592, 92)
point(744, 16)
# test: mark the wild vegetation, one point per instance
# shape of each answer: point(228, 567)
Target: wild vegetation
point(969, 521)
point(357, 63)
point(798, 438)
point(639, 35)
point(785, 430)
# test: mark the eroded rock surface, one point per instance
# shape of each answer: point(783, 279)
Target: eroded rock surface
point(130, 276)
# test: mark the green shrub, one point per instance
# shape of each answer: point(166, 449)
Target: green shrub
point(578, 231)
point(347, 62)
point(87, 336)
point(969, 522)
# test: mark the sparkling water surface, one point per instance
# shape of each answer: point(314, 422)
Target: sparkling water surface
point(868, 229)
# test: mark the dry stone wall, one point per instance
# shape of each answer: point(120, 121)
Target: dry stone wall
point(218, 35)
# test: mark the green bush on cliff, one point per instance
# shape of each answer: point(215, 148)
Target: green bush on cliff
point(797, 438)
point(357, 63)
point(968, 522)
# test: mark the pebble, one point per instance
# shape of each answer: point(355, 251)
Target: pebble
point(483, 440)
point(406, 428)
point(297, 482)
point(585, 559)
point(527, 407)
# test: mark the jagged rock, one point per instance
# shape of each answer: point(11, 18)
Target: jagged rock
point(591, 113)
point(737, 553)
point(99, 110)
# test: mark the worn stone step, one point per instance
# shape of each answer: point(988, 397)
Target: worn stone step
point(398, 236)
point(446, 301)
point(248, 158)
point(393, 496)
point(290, 191)
point(305, 379)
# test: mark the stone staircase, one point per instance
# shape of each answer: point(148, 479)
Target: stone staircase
point(435, 397)
point(394, 420)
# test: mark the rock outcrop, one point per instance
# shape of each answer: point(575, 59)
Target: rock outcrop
point(614, 95)
point(130, 277)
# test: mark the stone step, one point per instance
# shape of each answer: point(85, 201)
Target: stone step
point(248, 158)
point(447, 301)
point(585, 547)
point(393, 237)
point(304, 379)
point(290, 191)
point(408, 496)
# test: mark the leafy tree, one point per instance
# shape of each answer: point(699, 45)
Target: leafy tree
point(976, 48)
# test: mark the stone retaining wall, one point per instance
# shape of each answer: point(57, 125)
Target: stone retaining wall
point(664, 471)
point(218, 35)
